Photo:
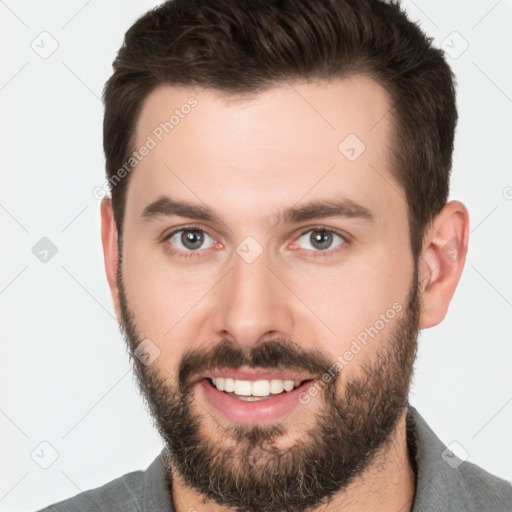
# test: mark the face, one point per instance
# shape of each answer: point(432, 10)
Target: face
point(267, 277)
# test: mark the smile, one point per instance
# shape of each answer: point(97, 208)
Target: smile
point(252, 402)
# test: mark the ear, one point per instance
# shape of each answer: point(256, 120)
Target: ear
point(441, 262)
point(110, 252)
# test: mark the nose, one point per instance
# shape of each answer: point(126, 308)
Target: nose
point(253, 303)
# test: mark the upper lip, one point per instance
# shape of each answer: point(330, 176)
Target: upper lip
point(254, 374)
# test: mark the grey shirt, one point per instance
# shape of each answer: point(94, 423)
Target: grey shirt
point(444, 483)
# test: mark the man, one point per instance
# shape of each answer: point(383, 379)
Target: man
point(278, 233)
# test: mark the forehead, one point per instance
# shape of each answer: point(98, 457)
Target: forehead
point(292, 140)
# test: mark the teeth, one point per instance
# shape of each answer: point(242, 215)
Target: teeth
point(260, 388)
point(242, 387)
point(254, 388)
point(229, 385)
point(276, 386)
point(288, 385)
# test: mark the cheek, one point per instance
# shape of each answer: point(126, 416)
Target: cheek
point(343, 308)
point(356, 306)
point(159, 284)
point(164, 302)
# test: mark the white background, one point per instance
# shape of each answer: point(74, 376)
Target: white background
point(65, 377)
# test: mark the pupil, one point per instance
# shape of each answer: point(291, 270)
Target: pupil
point(192, 239)
point(322, 239)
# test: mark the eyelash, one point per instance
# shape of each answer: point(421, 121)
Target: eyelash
point(322, 229)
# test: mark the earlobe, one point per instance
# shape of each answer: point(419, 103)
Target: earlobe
point(110, 249)
point(442, 261)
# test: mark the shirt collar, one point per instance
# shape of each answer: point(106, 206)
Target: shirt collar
point(157, 495)
point(444, 482)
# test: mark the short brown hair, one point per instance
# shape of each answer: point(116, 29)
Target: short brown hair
point(246, 46)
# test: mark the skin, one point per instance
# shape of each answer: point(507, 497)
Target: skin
point(249, 160)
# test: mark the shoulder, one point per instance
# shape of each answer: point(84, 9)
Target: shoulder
point(445, 482)
point(138, 491)
point(122, 494)
point(482, 489)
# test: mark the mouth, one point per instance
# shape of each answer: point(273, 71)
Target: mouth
point(248, 402)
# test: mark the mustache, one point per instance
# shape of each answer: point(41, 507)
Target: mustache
point(279, 354)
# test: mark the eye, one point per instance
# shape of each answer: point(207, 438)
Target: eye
point(189, 239)
point(320, 239)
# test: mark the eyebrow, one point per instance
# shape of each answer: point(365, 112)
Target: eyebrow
point(167, 207)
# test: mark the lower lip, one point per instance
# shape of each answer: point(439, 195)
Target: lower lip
point(251, 412)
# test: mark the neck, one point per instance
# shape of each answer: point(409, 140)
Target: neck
point(387, 485)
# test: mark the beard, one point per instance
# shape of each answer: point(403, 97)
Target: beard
point(243, 469)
